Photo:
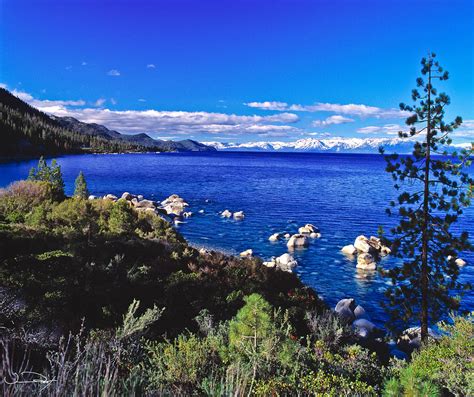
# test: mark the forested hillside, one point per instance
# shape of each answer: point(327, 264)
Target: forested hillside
point(26, 131)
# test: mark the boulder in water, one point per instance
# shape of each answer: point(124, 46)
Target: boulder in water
point(349, 250)
point(226, 214)
point(239, 215)
point(298, 240)
point(366, 261)
point(274, 237)
point(361, 243)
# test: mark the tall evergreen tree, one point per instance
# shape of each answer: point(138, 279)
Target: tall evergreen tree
point(80, 186)
point(50, 174)
point(436, 190)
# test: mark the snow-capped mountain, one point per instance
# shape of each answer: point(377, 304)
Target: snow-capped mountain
point(342, 145)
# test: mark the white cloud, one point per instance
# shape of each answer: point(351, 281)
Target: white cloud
point(151, 66)
point(336, 119)
point(166, 123)
point(113, 72)
point(466, 130)
point(141, 100)
point(113, 101)
point(268, 105)
point(389, 129)
point(347, 109)
point(320, 134)
point(69, 67)
point(100, 102)
point(83, 63)
point(3, 85)
point(43, 104)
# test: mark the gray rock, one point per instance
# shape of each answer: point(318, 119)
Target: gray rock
point(359, 312)
point(126, 196)
point(347, 302)
point(298, 240)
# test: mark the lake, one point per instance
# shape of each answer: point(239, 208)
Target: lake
point(345, 195)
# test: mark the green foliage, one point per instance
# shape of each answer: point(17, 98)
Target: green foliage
point(132, 325)
point(183, 362)
point(317, 383)
point(50, 174)
point(251, 327)
point(80, 187)
point(121, 219)
point(73, 218)
point(445, 364)
point(436, 192)
point(329, 329)
point(19, 199)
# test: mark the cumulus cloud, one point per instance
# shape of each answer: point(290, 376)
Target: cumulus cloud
point(83, 63)
point(151, 66)
point(164, 123)
point(3, 85)
point(331, 120)
point(113, 72)
point(389, 129)
point(141, 100)
point(347, 109)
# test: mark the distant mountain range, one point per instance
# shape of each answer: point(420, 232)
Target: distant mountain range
point(143, 139)
point(26, 131)
point(330, 145)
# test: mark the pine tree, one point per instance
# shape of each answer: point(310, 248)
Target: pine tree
point(57, 180)
point(50, 174)
point(425, 284)
point(80, 189)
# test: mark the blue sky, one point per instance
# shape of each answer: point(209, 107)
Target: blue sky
point(236, 70)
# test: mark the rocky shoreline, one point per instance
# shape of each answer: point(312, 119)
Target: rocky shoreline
point(366, 252)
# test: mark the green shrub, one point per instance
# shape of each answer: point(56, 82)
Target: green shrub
point(73, 217)
point(122, 219)
point(446, 364)
point(182, 363)
point(20, 198)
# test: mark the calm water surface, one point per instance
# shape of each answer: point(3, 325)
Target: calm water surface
point(345, 195)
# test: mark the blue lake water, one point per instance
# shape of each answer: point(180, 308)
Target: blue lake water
point(345, 195)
